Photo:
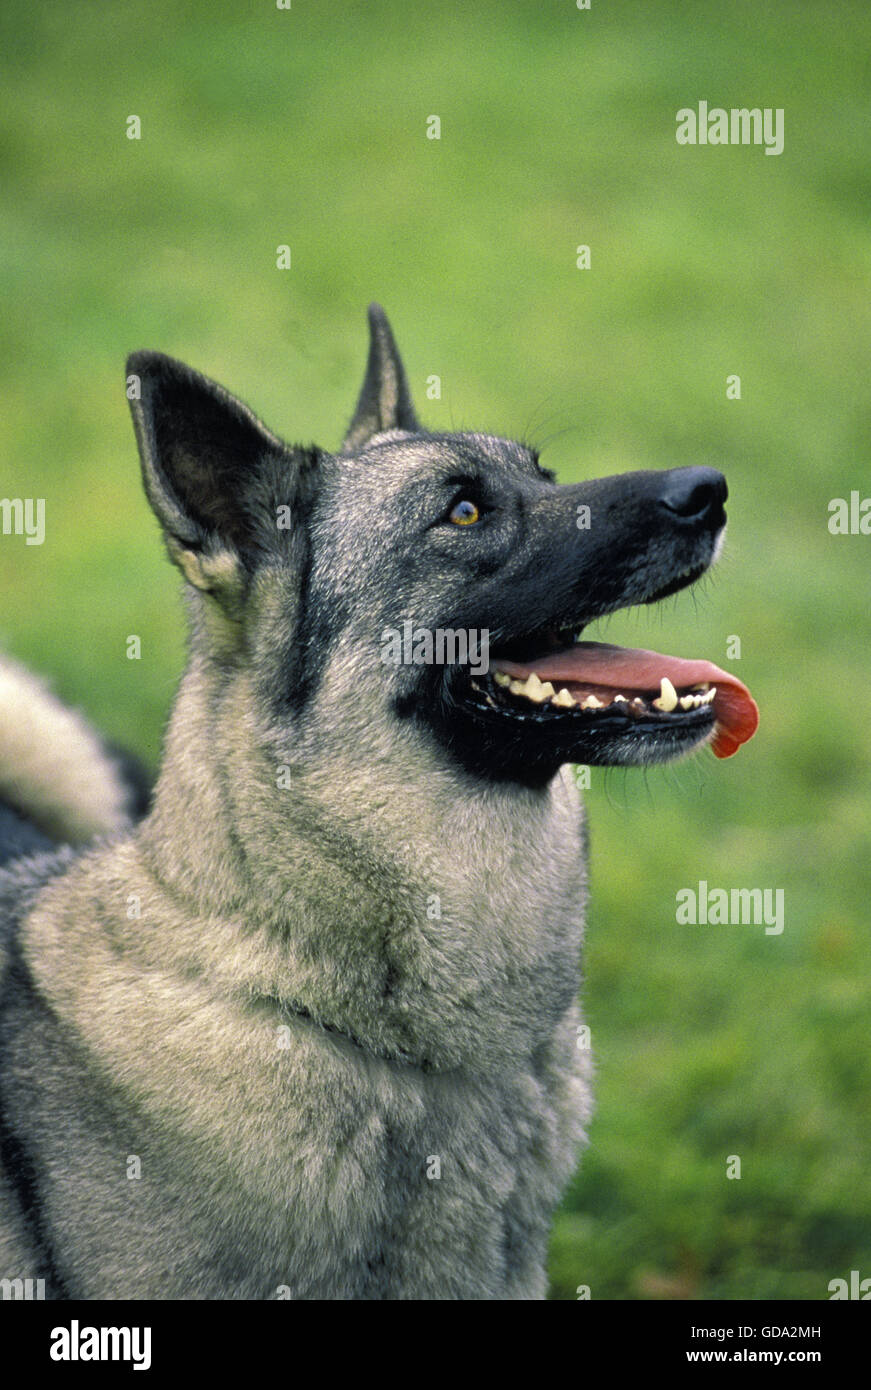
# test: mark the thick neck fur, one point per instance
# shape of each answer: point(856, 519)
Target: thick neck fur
point(433, 956)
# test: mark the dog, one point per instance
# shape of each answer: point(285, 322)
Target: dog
point(310, 1028)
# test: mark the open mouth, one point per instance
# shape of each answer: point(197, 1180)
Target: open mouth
point(604, 697)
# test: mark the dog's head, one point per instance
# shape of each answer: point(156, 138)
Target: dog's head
point(431, 583)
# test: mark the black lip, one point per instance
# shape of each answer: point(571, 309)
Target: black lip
point(682, 581)
point(512, 742)
point(504, 737)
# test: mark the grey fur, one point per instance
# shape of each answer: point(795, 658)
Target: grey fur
point(385, 400)
point(326, 992)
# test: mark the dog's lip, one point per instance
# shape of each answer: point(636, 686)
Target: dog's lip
point(631, 670)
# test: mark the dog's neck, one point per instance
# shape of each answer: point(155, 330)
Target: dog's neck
point(435, 940)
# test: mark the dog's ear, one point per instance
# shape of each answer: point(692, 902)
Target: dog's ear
point(385, 400)
point(214, 475)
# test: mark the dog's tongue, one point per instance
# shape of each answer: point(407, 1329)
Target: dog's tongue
point(599, 663)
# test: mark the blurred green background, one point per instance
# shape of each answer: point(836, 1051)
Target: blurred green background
point(307, 127)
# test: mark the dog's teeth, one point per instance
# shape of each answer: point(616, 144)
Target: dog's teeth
point(532, 688)
point(592, 703)
point(709, 698)
point(501, 678)
point(638, 701)
point(620, 700)
point(536, 691)
point(667, 696)
point(687, 701)
point(563, 700)
point(525, 687)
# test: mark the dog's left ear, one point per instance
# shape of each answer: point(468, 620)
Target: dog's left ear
point(385, 400)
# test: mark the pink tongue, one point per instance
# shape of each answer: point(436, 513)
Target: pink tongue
point(628, 668)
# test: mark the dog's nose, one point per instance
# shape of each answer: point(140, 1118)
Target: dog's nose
point(695, 494)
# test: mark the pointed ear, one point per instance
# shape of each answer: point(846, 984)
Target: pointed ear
point(212, 471)
point(385, 400)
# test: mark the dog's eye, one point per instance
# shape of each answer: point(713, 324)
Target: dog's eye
point(465, 513)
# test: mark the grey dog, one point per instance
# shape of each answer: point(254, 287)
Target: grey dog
point(309, 1027)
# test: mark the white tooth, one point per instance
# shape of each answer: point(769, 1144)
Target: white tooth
point(501, 678)
point(709, 698)
point(667, 696)
point(536, 691)
point(638, 701)
point(563, 700)
point(686, 701)
point(532, 688)
point(620, 700)
point(592, 703)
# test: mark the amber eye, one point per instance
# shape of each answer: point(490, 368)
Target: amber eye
point(465, 513)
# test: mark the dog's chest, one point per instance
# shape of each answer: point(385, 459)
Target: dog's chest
point(366, 1179)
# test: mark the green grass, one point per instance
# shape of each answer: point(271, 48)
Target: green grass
point(306, 127)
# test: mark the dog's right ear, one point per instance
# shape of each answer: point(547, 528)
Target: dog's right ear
point(385, 400)
point(212, 472)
